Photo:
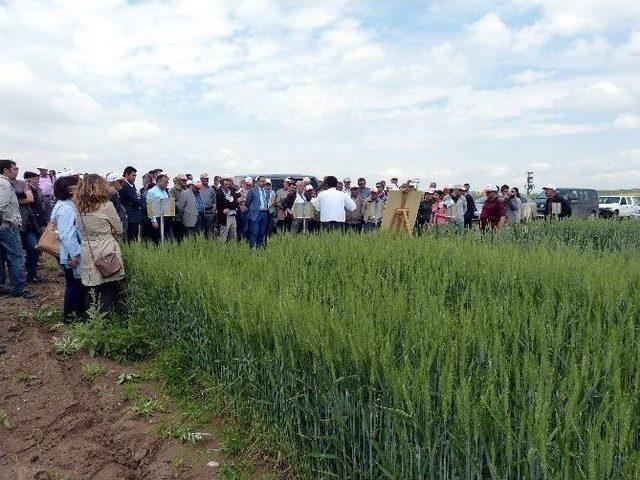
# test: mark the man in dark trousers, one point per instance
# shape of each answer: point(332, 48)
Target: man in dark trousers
point(132, 203)
point(554, 197)
point(257, 203)
point(471, 206)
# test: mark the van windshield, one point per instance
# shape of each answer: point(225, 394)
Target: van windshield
point(606, 200)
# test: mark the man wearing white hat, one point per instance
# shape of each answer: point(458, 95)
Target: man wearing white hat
point(563, 208)
point(208, 196)
point(493, 213)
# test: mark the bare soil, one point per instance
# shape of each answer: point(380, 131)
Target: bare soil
point(62, 426)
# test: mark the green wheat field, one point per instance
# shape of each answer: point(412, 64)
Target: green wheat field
point(446, 356)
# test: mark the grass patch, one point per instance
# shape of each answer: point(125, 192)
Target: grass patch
point(47, 315)
point(4, 419)
point(184, 434)
point(145, 407)
point(121, 340)
point(234, 471)
point(66, 345)
point(25, 376)
point(91, 371)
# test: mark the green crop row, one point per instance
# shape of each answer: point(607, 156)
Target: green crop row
point(445, 356)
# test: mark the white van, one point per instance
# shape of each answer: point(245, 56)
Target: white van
point(619, 206)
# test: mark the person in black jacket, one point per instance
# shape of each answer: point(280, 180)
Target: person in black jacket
point(554, 197)
point(227, 205)
point(469, 214)
point(33, 221)
point(132, 203)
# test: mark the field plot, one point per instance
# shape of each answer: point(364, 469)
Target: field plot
point(444, 356)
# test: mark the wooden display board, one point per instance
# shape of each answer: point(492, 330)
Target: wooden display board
point(304, 210)
point(161, 207)
point(401, 209)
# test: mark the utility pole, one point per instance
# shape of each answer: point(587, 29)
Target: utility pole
point(530, 186)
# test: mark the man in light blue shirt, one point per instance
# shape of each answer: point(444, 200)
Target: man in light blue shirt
point(159, 191)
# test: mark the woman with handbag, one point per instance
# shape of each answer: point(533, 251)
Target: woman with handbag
point(63, 226)
point(101, 264)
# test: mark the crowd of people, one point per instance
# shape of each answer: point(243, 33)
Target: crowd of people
point(90, 214)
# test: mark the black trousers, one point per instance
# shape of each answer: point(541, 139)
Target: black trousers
point(132, 232)
point(329, 226)
point(107, 295)
point(74, 297)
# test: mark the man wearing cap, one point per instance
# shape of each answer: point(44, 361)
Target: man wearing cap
point(116, 182)
point(257, 203)
point(33, 221)
point(191, 209)
point(493, 213)
point(471, 206)
point(208, 197)
point(271, 223)
point(131, 202)
point(554, 198)
point(11, 223)
point(227, 204)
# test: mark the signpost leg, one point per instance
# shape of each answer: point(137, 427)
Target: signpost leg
point(162, 230)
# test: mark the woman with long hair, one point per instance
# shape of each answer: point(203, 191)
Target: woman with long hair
point(63, 217)
point(100, 227)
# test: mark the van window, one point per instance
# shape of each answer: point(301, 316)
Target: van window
point(623, 201)
point(636, 200)
point(584, 195)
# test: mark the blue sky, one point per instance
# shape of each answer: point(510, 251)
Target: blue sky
point(453, 91)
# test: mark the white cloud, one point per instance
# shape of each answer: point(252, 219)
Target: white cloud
point(336, 86)
point(490, 30)
point(627, 121)
point(134, 129)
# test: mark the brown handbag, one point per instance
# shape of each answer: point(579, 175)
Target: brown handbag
point(49, 241)
point(109, 264)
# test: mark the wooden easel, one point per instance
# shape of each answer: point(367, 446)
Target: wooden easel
point(401, 215)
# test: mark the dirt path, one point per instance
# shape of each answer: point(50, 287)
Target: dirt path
point(63, 426)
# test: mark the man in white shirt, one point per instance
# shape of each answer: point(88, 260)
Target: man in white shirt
point(332, 205)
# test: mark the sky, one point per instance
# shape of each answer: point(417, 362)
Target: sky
point(447, 91)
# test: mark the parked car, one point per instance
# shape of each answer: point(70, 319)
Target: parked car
point(584, 202)
point(277, 179)
point(619, 206)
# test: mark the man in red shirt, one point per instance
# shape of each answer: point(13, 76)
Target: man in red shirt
point(493, 213)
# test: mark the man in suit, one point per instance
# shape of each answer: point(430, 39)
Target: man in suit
point(227, 204)
point(131, 203)
point(257, 203)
